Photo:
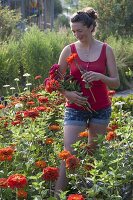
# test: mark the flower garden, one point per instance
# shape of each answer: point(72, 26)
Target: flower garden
point(31, 149)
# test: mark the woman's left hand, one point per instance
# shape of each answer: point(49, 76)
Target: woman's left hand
point(91, 76)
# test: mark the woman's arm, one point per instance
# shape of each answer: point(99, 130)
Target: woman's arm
point(113, 80)
point(62, 59)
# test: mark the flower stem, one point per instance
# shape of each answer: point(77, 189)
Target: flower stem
point(50, 185)
point(92, 95)
point(16, 194)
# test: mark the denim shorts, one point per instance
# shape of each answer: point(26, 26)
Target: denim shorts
point(83, 117)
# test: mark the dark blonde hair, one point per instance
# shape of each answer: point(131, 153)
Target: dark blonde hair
point(87, 16)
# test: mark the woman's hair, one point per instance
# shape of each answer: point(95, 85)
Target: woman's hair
point(87, 16)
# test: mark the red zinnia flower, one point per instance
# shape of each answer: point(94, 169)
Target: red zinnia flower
point(50, 173)
point(72, 162)
point(16, 122)
point(75, 197)
point(31, 113)
point(22, 194)
point(41, 108)
point(111, 92)
point(111, 135)
point(3, 183)
point(43, 99)
point(5, 124)
point(112, 127)
point(52, 85)
point(16, 181)
point(53, 69)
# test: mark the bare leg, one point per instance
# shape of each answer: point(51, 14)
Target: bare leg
point(70, 137)
point(94, 130)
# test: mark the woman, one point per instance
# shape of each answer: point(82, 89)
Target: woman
point(97, 67)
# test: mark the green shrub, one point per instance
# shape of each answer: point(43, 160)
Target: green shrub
point(124, 58)
point(8, 21)
point(40, 50)
point(9, 63)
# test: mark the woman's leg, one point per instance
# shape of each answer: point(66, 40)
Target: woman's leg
point(98, 124)
point(71, 133)
point(94, 131)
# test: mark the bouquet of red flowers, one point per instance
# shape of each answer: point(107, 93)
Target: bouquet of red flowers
point(58, 82)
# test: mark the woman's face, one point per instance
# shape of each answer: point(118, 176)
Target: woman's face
point(80, 31)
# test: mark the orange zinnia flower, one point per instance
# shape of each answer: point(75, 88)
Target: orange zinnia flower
point(3, 183)
point(38, 77)
point(71, 58)
point(30, 103)
point(64, 154)
point(72, 162)
point(22, 194)
point(83, 134)
point(111, 136)
point(75, 197)
point(2, 106)
point(49, 141)
point(54, 127)
point(6, 154)
point(41, 164)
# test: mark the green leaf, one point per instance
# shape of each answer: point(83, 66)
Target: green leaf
point(52, 198)
point(37, 198)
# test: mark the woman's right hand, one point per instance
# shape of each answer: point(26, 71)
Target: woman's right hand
point(75, 97)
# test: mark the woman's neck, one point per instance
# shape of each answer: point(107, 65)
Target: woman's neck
point(87, 44)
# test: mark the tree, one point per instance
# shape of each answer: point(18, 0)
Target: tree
point(8, 21)
point(115, 16)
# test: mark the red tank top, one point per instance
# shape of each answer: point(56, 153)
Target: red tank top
point(98, 95)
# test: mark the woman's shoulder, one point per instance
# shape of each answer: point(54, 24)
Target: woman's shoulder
point(100, 43)
point(67, 49)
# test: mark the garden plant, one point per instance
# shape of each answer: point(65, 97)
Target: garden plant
point(31, 149)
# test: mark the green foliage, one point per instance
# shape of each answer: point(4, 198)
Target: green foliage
point(34, 53)
point(8, 21)
point(9, 62)
point(115, 17)
point(61, 21)
point(57, 8)
point(40, 50)
point(127, 104)
point(108, 168)
point(124, 58)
